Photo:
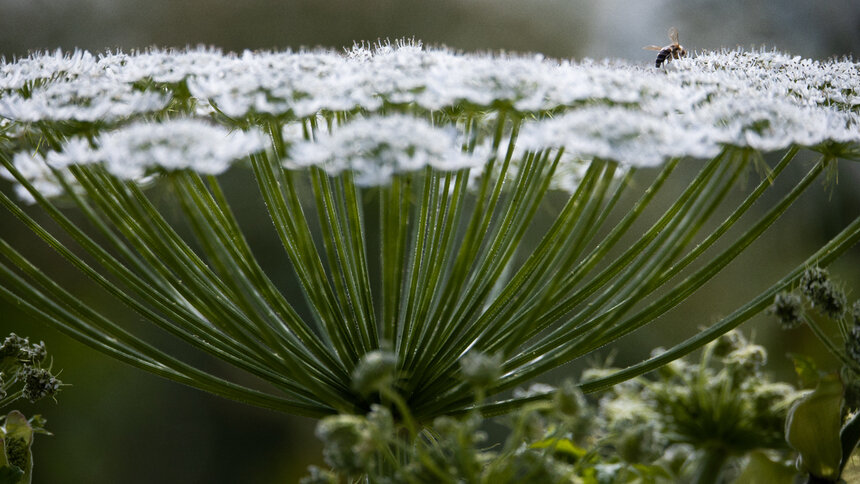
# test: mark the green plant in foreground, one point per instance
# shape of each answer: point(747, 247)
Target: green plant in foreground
point(21, 376)
point(709, 421)
point(405, 185)
point(824, 426)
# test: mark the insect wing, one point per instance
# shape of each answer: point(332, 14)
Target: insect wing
point(673, 35)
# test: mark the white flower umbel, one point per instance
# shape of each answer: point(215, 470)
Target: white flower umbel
point(133, 151)
point(90, 100)
point(34, 168)
point(628, 136)
point(378, 147)
point(136, 150)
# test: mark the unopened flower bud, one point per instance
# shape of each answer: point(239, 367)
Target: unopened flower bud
point(33, 354)
point(319, 476)
point(342, 436)
point(728, 343)
point(788, 308)
point(569, 399)
point(12, 346)
point(816, 285)
point(374, 371)
point(481, 370)
point(39, 383)
point(749, 359)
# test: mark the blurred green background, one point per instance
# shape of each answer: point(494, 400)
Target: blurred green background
point(118, 424)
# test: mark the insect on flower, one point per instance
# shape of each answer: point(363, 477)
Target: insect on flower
point(671, 51)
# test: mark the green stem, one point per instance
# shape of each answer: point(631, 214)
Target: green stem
point(711, 465)
point(11, 398)
point(830, 345)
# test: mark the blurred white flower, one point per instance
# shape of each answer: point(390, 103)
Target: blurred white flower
point(378, 147)
point(134, 151)
point(81, 99)
point(34, 169)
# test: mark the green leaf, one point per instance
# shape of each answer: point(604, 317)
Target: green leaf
point(10, 475)
point(561, 446)
point(760, 468)
point(812, 428)
point(806, 369)
point(17, 441)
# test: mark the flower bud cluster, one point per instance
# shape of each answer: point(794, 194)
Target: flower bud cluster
point(690, 404)
point(815, 284)
point(374, 372)
point(21, 369)
point(788, 308)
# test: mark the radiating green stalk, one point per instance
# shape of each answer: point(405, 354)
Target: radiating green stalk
point(297, 362)
point(352, 211)
point(105, 336)
point(486, 199)
point(275, 298)
point(831, 251)
point(394, 215)
point(690, 284)
point(279, 193)
point(551, 246)
point(406, 322)
point(534, 299)
point(567, 299)
point(180, 323)
point(441, 257)
point(222, 248)
point(165, 251)
point(731, 219)
point(608, 242)
point(354, 321)
point(544, 360)
point(543, 286)
point(80, 238)
point(618, 267)
point(823, 257)
point(635, 281)
point(224, 259)
point(681, 291)
point(531, 185)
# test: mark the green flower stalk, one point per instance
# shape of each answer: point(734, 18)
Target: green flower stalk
point(405, 186)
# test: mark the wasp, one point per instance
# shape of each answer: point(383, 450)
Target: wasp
point(671, 51)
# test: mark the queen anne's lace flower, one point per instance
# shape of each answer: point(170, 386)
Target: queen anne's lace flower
point(90, 100)
point(630, 136)
point(635, 115)
point(133, 151)
point(376, 148)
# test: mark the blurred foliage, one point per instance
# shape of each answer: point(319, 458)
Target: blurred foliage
point(693, 421)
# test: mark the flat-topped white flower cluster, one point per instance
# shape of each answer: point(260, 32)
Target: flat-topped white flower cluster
point(631, 114)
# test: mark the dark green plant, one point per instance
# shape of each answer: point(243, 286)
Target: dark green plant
point(22, 375)
point(701, 422)
point(824, 426)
